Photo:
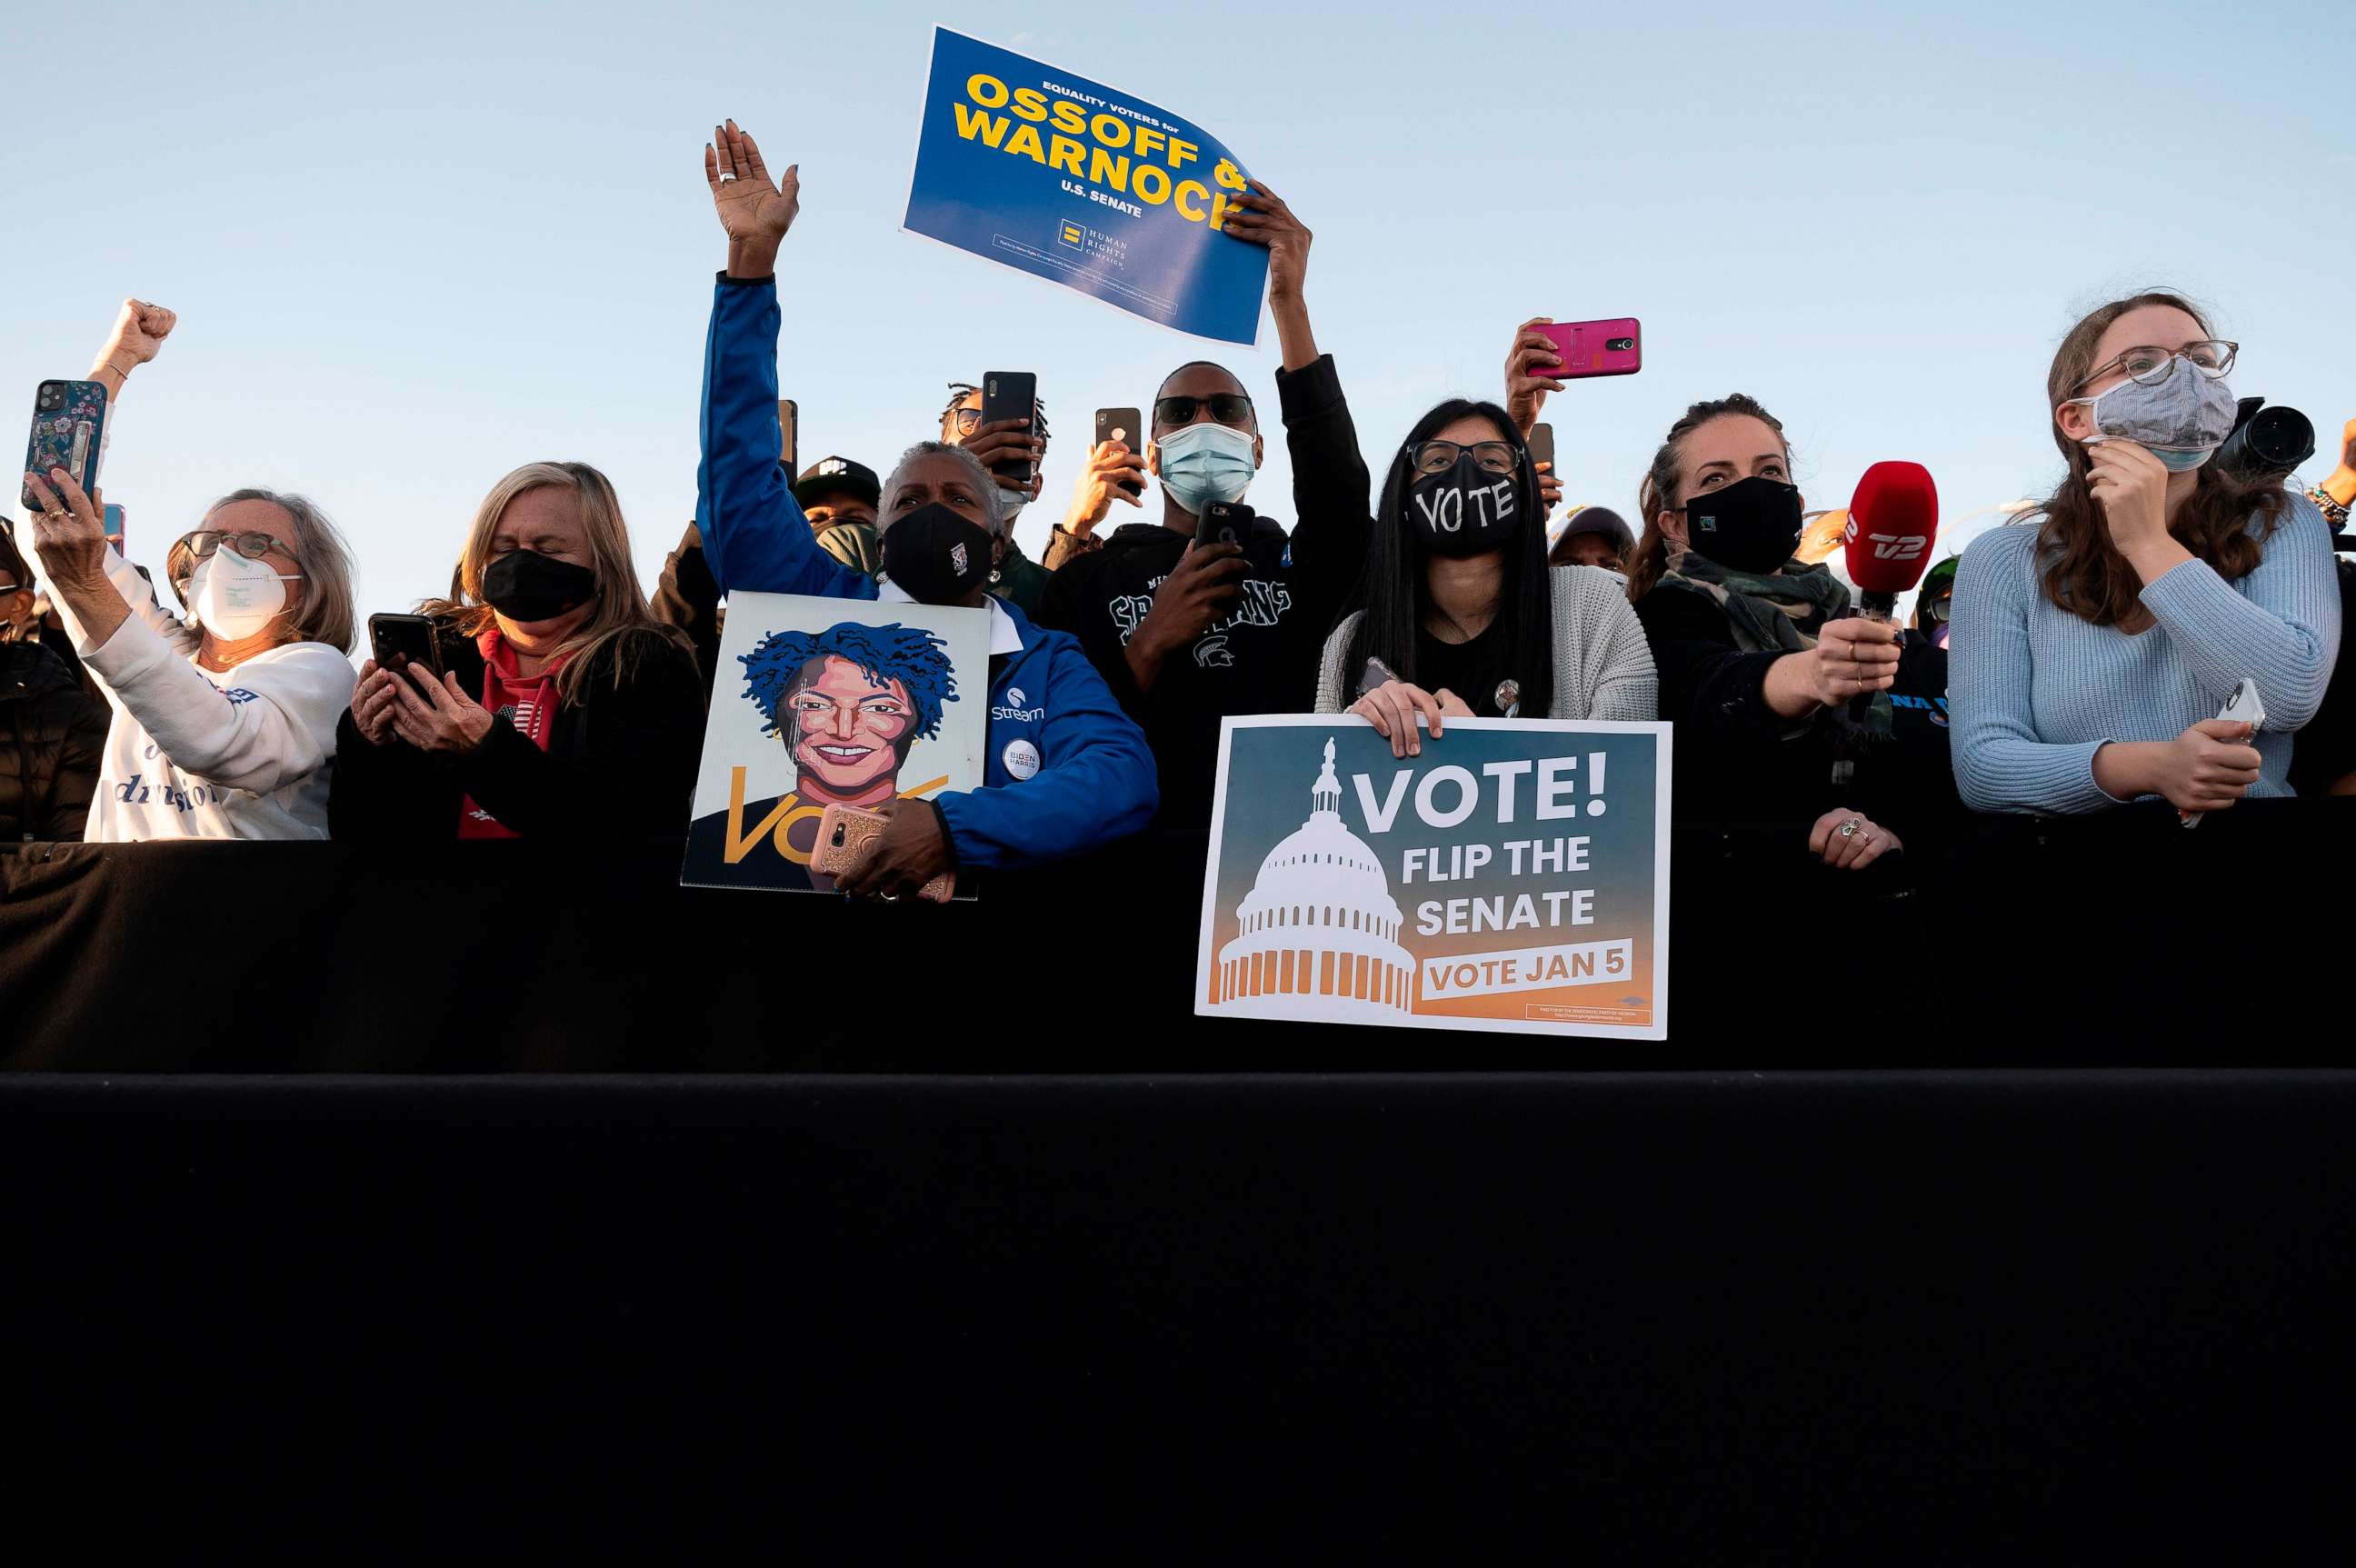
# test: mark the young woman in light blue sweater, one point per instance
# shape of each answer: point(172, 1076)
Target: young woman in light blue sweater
point(2096, 641)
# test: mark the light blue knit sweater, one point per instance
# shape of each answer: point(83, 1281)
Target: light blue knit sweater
point(2034, 692)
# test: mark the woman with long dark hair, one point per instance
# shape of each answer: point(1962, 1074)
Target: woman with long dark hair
point(2097, 639)
point(1460, 615)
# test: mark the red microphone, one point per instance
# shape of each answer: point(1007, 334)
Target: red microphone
point(1892, 520)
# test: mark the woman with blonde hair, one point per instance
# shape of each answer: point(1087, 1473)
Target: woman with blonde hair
point(564, 706)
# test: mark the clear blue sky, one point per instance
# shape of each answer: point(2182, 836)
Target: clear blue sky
point(415, 246)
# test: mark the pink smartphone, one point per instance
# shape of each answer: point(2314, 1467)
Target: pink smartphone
point(1613, 348)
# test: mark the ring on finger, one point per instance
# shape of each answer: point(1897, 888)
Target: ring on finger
point(1848, 829)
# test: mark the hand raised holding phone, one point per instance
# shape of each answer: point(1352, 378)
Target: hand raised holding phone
point(1531, 365)
point(754, 209)
point(1113, 472)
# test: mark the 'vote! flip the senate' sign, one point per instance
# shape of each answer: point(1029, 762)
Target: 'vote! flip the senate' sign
point(1512, 877)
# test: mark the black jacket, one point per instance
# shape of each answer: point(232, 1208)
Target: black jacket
point(1737, 762)
point(620, 763)
point(687, 600)
point(2325, 751)
point(52, 740)
point(1262, 658)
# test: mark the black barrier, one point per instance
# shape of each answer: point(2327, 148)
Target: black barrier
point(2123, 940)
point(1994, 1317)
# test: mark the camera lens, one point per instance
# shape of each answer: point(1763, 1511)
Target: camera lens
point(1620, 345)
point(2281, 438)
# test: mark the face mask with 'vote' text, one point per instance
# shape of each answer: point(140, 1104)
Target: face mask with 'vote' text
point(1464, 510)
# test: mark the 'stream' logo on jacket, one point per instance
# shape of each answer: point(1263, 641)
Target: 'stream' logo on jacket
point(1015, 712)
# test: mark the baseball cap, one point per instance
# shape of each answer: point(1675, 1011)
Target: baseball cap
point(1596, 519)
point(837, 476)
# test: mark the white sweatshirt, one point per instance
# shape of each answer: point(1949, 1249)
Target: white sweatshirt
point(191, 755)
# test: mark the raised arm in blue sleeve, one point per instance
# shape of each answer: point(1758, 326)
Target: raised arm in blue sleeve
point(755, 535)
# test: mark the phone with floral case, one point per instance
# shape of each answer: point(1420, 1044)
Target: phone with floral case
point(68, 423)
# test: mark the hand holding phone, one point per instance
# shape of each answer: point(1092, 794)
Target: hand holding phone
point(848, 837)
point(1531, 366)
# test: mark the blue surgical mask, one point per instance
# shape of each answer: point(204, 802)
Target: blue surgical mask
point(1206, 463)
point(2182, 419)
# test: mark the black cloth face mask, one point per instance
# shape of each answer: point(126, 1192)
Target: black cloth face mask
point(1464, 510)
point(1752, 525)
point(525, 585)
point(939, 555)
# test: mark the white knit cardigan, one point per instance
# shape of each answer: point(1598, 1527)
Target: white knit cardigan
point(1603, 665)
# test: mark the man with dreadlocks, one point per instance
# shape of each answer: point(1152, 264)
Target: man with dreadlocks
point(1013, 576)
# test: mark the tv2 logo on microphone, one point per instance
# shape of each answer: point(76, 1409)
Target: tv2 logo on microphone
point(1890, 546)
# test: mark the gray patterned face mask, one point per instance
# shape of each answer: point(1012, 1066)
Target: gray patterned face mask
point(2182, 418)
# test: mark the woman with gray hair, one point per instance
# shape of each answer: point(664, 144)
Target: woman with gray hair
point(1066, 769)
point(224, 722)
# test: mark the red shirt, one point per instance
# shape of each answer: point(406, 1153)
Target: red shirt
point(528, 702)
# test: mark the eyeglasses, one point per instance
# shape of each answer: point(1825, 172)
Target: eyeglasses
point(1227, 408)
point(1939, 608)
point(196, 546)
point(2149, 365)
point(1490, 456)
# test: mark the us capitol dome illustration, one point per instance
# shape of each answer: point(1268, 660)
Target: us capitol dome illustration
point(1319, 921)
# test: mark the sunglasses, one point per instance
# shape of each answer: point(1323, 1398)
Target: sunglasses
point(1227, 408)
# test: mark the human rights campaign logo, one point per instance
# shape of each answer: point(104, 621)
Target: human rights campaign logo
point(1072, 234)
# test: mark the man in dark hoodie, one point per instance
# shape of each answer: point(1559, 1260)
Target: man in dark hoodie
point(1188, 630)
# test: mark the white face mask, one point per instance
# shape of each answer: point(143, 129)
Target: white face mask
point(1010, 504)
point(233, 596)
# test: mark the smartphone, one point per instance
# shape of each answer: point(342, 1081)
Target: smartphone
point(1010, 394)
point(790, 415)
point(68, 423)
point(1375, 673)
point(1127, 427)
point(399, 642)
point(1613, 348)
point(847, 835)
point(1227, 522)
point(115, 526)
point(1542, 442)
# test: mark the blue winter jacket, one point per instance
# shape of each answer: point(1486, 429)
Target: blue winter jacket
point(1094, 782)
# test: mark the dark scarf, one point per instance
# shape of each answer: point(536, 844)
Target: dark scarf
point(1781, 612)
point(1778, 612)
